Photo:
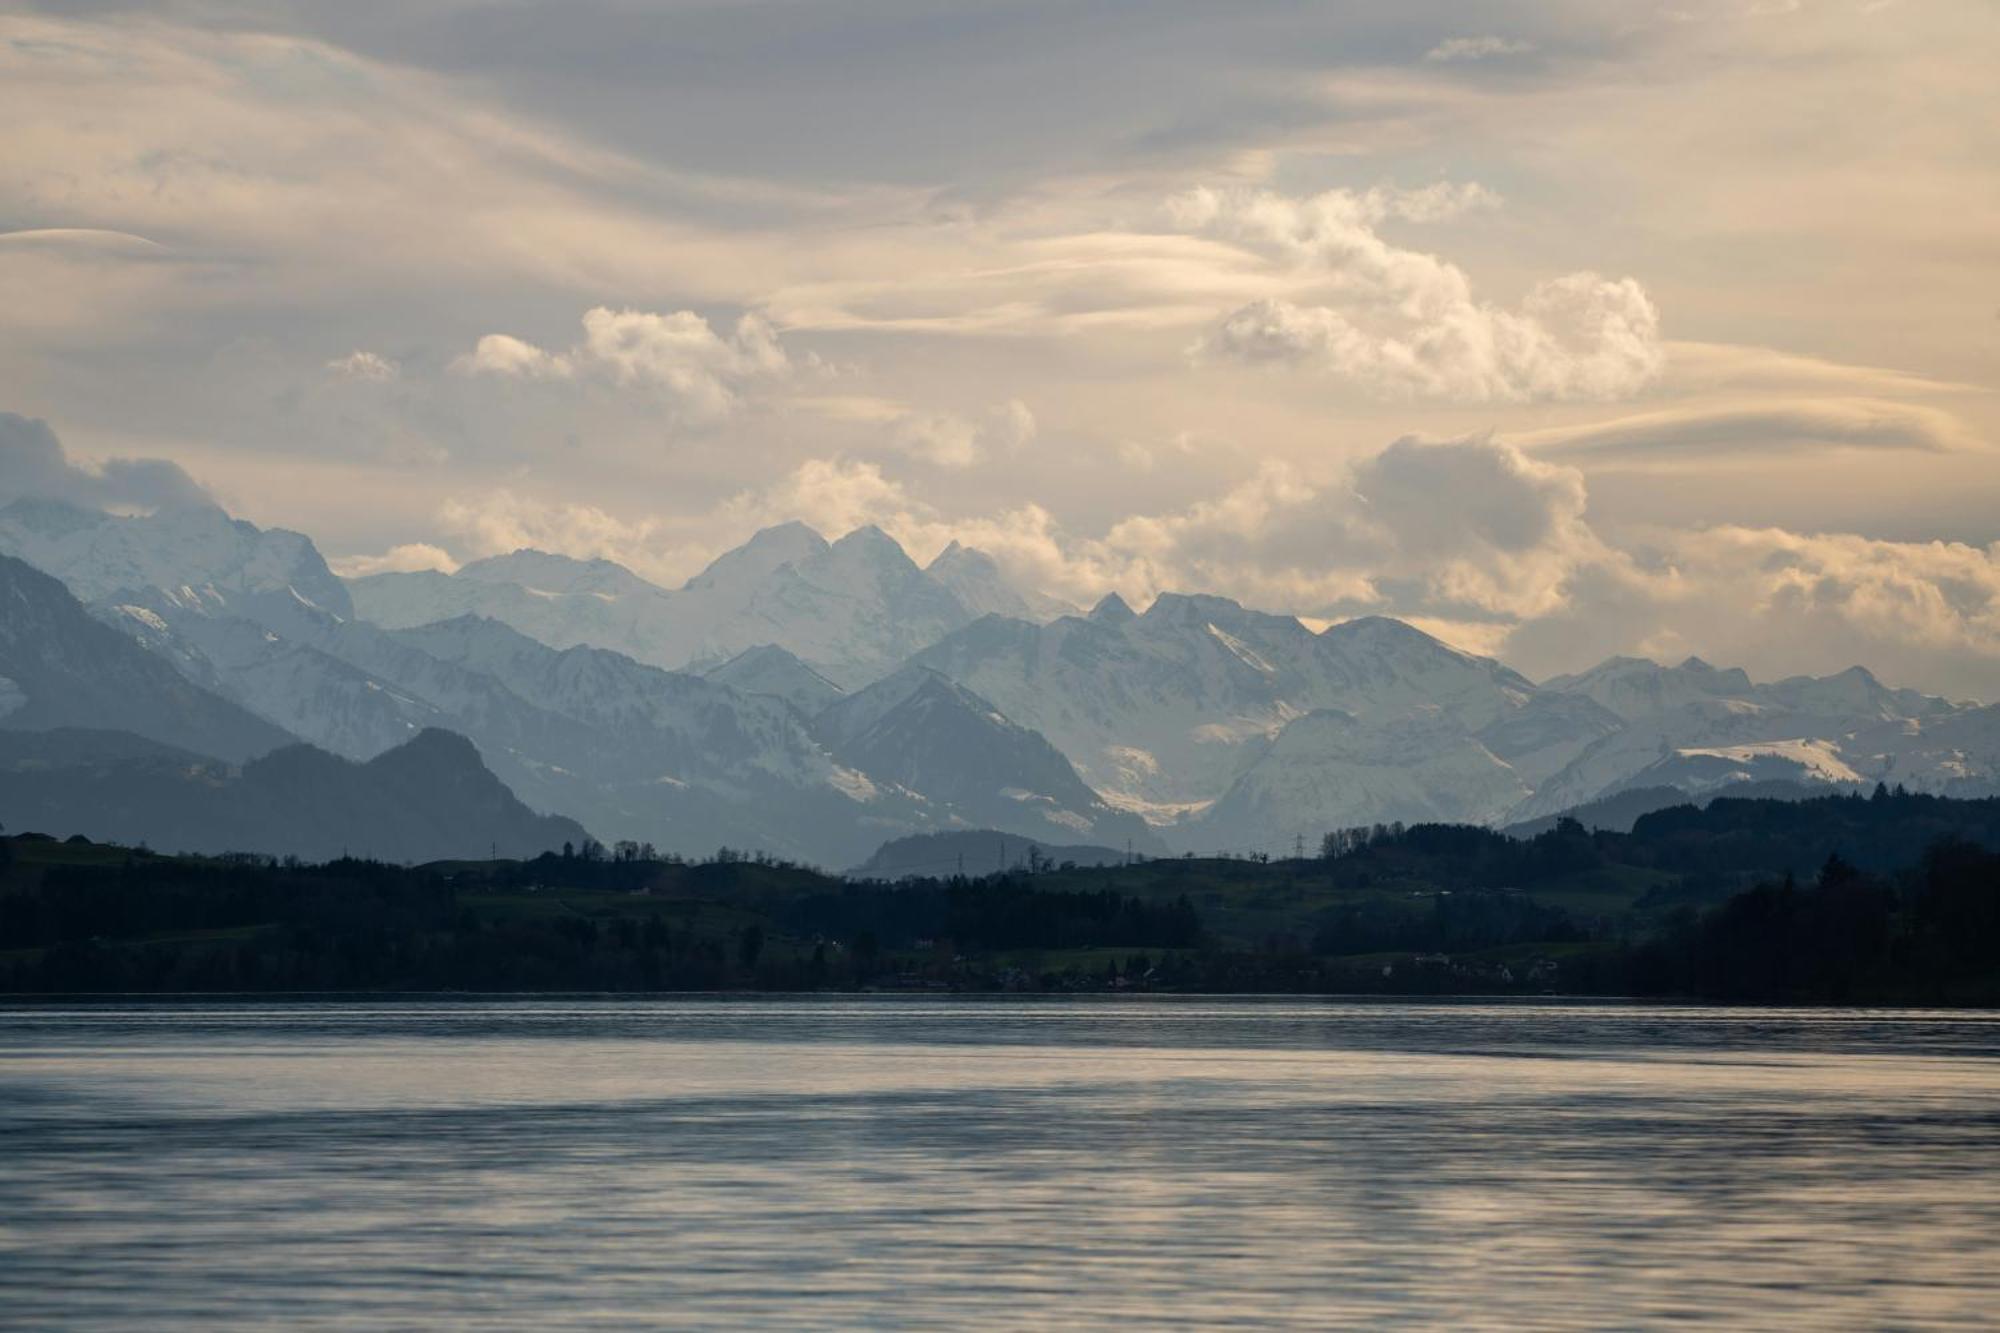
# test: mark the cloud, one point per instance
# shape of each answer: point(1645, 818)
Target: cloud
point(949, 440)
point(833, 495)
point(1780, 603)
point(1710, 367)
point(1469, 528)
point(500, 520)
point(700, 371)
point(408, 558)
point(503, 354)
point(369, 366)
point(33, 463)
point(1702, 435)
point(1404, 324)
point(1930, 596)
point(1472, 538)
point(1476, 48)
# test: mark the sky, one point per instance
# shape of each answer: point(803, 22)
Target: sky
point(1561, 330)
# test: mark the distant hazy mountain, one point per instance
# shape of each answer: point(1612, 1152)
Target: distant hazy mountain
point(976, 579)
point(1424, 768)
point(974, 852)
point(769, 669)
point(313, 694)
point(198, 557)
point(1163, 712)
point(923, 732)
point(61, 668)
point(429, 799)
point(850, 697)
point(852, 609)
point(1697, 727)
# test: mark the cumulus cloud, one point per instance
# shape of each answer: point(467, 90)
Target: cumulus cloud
point(1476, 48)
point(1928, 595)
point(1779, 603)
point(409, 558)
point(1472, 538)
point(1704, 434)
point(504, 354)
point(833, 495)
point(944, 439)
point(33, 463)
point(501, 520)
point(1469, 528)
point(702, 373)
point(1405, 324)
point(948, 439)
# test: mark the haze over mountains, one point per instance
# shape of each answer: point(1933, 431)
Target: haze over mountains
point(814, 699)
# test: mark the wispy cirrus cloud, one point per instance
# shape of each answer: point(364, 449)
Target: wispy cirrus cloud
point(1701, 435)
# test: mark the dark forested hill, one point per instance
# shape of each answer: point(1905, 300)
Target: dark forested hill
point(430, 797)
point(1883, 898)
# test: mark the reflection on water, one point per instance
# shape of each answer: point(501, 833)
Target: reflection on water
point(866, 1162)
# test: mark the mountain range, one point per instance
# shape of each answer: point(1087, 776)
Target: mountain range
point(814, 698)
point(852, 609)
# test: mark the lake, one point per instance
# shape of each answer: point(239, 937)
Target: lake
point(1143, 1162)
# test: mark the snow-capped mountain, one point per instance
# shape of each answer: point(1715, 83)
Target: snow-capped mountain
point(59, 667)
point(551, 598)
point(633, 751)
point(769, 669)
point(928, 734)
point(1163, 711)
point(1696, 726)
point(1634, 688)
point(1955, 753)
point(1416, 768)
point(852, 609)
point(310, 693)
point(850, 696)
point(690, 730)
point(196, 557)
point(1700, 770)
point(975, 578)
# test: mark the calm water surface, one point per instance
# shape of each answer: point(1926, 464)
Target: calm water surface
point(613, 1163)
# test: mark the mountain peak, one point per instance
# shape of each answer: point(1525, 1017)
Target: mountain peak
point(868, 537)
point(768, 550)
point(1176, 607)
point(769, 669)
point(432, 745)
point(1111, 609)
point(1385, 627)
point(982, 586)
point(960, 561)
point(874, 552)
point(548, 571)
point(792, 537)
